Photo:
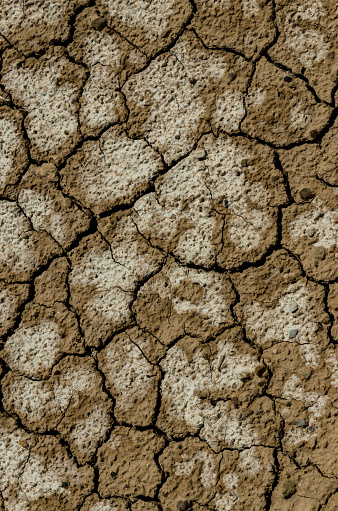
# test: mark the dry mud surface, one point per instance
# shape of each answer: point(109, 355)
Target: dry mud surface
point(168, 255)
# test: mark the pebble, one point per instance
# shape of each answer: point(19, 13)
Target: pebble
point(311, 232)
point(99, 23)
point(293, 307)
point(319, 215)
point(64, 485)
point(182, 505)
point(307, 373)
point(289, 488)
point(302, 423)
point(113, 474)
point(313, 133)
point(293, 333)
point(225, 203)
point(201, 155)
point(245, 163)
point(193, 81)
point(231, 76)
point(312, 429)
point(274, 179)
point(306, 194)
point(287, 79)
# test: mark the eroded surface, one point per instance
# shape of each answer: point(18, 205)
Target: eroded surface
point(168, 262)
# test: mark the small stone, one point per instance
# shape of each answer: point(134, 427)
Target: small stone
point(182, 505)
point(260, 370)
point(64, 485)
point(319, 215)
point(287, 79)
point(301, 423)
point(99, 23)
point(113, 474)
point(319, 253)
point(330, 55)
point(307, 373)
point(231, 76)
point(293, 307)
point(306, 194)
point(289, 488)
point(311, 232)
point(225, 203)
point(274, 179)
point(201, 155)
point(293, 333)
point(313, 133)
point(192, 81)
point(312, 429)
point(245, 163)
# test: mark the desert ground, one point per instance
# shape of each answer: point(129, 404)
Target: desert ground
point(168, 255)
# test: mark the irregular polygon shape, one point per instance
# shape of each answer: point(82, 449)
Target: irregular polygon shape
point(52, 286)
point(48, 209)
point(131, 380)
point(104, 47)
point(40, 340)
point(48, 89)
point(181, 300)
point(171, 101)
point(197, 383)
point(245, 27)
point(34, 470)
point(215, 208)
point(111, 171)
point(22, 250)
point(287, 114)
point(278, 305)
point(193, 472)
point(129, 454)
point(103, 279)
point(70, 401)
point(149, 26)
point(307, 43)
point(32, 26)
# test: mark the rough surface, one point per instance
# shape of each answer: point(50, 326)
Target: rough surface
point(168, 255)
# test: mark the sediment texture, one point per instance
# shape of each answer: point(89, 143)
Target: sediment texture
point(168, 261)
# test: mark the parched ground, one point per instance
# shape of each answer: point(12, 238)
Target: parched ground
point(168, 255)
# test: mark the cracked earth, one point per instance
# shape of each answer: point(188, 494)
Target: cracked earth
point(168, 262)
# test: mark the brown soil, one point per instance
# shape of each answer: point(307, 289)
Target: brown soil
point(168, 261)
